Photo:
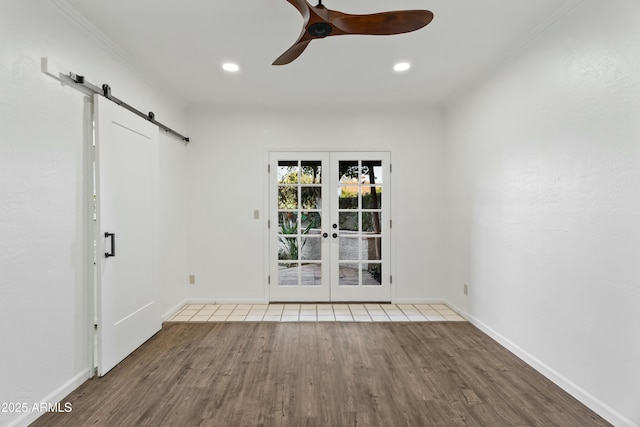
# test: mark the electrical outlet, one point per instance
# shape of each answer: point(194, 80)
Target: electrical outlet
point(466, 289)
point(192, 279)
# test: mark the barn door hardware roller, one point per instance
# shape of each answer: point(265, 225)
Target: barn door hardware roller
point(105, 91)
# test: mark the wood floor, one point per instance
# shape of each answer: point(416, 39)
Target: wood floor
point(321, 374)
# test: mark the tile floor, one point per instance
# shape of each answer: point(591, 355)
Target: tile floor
point(315, 313)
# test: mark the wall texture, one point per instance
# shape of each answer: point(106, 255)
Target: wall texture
point(228, 174)
point(45, 324)
point(535, 173)
point(543, 175)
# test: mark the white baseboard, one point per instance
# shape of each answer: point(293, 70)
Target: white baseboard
point(63, 391)
point(420, 301)
point(586, 398)
point(173, 310)
point(240, 301)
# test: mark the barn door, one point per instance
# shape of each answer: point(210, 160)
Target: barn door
point(127, 311)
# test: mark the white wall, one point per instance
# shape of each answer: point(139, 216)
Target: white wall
point(228, 176)
point(541, 182)
point(543, 166)
point(44, 199)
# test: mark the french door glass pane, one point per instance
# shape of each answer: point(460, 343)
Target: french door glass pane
point(372, 170)
point(311, 198)
point(311, 248)
point(349, 274)
point(348, 170)
point(311, 221)
point(312, 171)
point(311, 274)
point(288, 274)
point(372, 274)
point(372, 197)
point(348, 221)
point(372, 248)
point(287, 172)
point(288, 197)
point(289, 248)
point(348, 196)
point(349, 248)
point(287, 223)
point(372, 222)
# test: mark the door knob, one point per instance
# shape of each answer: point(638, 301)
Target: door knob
point(335, 225)
point(325, 235)
point(335, 235)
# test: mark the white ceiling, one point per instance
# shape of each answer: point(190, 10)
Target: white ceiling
point(183, 44)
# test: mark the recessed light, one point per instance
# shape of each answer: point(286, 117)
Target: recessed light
point(230, 67)
point(402, 66)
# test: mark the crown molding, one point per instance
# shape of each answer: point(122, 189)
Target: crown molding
point(80, 22)
point(564, 11)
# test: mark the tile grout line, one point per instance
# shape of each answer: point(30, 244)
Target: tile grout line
point(374, 312)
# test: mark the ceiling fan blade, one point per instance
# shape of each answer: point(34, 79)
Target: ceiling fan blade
point(292, 53)
point(301, 5)
point(384, 23)
point(320, 22)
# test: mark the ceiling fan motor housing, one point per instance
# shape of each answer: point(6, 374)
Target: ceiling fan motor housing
point(320, 29)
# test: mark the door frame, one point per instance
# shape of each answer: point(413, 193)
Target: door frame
point(266, 188)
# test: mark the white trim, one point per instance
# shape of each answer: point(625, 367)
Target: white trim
point(90, 231)
point(563, 11)
point(421, 301)
point(172, 311)
point(239, 301)
point(68, 12)
point(520, 45)
point(56, 396)
point(586, 398)
point(266, 213)
point(327, 150)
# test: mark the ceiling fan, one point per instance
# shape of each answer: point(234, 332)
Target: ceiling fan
point(320, 22)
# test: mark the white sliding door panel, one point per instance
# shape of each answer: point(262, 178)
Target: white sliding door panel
point(125, 151)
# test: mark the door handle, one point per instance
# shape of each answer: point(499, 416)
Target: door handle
point(113, 245)
point(335, 235)
point(325, 235)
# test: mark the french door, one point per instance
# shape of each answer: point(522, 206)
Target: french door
point(329, 226)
